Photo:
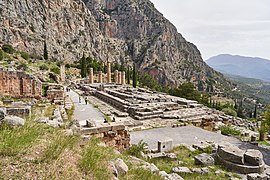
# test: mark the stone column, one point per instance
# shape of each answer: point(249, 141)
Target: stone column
point(109, 76)
point(116, 76)
point(119, 77)
point(91, 76)
point(100, 77)
point(62, 73)
point(123, 77)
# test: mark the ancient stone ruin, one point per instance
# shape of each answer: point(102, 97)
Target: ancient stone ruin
point(19, 84)
point(244, 162)
point(113, 135)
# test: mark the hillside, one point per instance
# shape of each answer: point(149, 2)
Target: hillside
point(118, 31)
point(251, 67)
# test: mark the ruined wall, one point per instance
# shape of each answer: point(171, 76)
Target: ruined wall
point(19, 84)
point(113, 135)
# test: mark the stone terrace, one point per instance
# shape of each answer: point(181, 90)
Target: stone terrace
point(140, 103)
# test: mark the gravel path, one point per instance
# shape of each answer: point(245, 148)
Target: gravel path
point(85, 111)
point(189, 135)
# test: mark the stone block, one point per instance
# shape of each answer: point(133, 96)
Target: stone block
point(256, 176)
point(232, 154)
point(2, 113)
point(14, 121)
point(253, 157)
point(165, 145)
point(184, 170)
point(204, 159)
point(121, 166)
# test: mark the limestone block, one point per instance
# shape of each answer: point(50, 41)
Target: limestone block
point(256, 176)
point(121, 166)
point(165, 145)
point(172, 176)
point(204, 159)
point(2, 113)
point(253, 157)
point(14, 121)
point(181, 170)
point(151, 167)
point(232, 154)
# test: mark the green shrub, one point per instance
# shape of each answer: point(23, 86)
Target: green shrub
point(25, 55)
point(55, 69)
point(230, 112)
point(8, 48)
point(43, 67)
point(1, 55)
point(136, 149)
point(229, 130)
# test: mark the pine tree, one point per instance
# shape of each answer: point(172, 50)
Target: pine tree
point(45, 51)
point(83, 67)
point(134, 77)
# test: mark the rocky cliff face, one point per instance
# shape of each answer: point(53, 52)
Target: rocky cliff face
point(116, 30)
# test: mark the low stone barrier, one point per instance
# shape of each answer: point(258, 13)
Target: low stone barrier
point(113, 135)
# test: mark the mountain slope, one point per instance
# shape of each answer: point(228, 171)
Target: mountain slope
point(257, 68)
point(119, 31)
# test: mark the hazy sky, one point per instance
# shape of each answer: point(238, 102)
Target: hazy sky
point(222, 26)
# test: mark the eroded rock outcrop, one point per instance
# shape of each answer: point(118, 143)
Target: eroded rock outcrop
point(125, 31)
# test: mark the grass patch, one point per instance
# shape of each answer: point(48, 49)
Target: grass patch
point(95, 160)
point(140, 174)
point(108, 118)
point(58, 145)
point(14, 140)
point(266, 143)
point(229, 130)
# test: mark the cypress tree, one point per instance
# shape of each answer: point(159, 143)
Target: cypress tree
point(45, 51)
point(255, 112)
point(83, 67)
point(134, 77)
point(128, 75)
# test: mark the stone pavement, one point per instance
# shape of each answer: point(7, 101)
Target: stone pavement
point(85, 111)
point(189, 135)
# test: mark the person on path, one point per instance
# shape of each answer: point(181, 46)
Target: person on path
point(79, 99)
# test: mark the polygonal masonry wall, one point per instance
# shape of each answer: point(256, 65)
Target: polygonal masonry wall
point(19, 84)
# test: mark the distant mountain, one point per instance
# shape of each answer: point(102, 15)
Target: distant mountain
point(251, 67)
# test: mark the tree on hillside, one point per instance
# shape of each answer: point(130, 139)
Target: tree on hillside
point(255, 112)
point(265, 125)
point(45, 51)
point(83, 67)
point(134, 76)
point(128, 75)
point(1, 55)
point(240, 109)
